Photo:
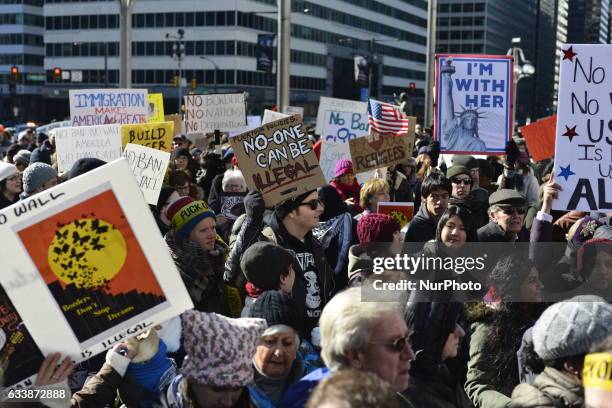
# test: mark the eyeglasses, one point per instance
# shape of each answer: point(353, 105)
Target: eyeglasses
point(511, 211)
point(398, 345)
point(314, 204)
point(465, 182)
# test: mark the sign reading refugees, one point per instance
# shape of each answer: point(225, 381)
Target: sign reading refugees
point(89, 107)
point(207, 113)
point(473, 103)
point(73, 143)
point(155, 108)
point(89, 252)
point(154, 135)
point(402, 212)
point(277, 159)
point(583, 153)
point(149, 167)
point(380, 150)
point(341, 105)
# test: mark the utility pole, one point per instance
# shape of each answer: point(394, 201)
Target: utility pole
point(125, 22)
point(178, 53)
point(372, 42)
point(430, 63)
point(284, 53)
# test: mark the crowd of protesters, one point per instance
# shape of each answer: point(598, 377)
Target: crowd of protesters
point(282, 315)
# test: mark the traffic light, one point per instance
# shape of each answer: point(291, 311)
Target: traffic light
point(57, 74)
point(14, 74)
point(194, 83)
point(175, 80)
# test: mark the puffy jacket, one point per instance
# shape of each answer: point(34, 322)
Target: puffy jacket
point(550, 389)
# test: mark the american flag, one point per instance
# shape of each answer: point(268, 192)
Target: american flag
point(386, 118)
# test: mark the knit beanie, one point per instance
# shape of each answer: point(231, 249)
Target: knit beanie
point(219, 349)
point(84, 165)
point(22, 156)
point(263, 263)
point(182, 151)
point(376, 227)
point(276, 308)
point(465, 160)
point(456, 170)
point(185, 213)
point(285, 207)
point(35, 175)
point(571, 327)
point(7, 170)
point(41, 154)
point(343, 166)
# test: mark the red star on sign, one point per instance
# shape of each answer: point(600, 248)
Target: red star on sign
point(569, 54)
point(570, 132)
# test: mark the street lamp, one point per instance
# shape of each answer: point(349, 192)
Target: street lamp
point(178, 54)
point(523, 68)
point(216, 70)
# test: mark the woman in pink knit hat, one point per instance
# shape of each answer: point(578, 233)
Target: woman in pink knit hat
point(346, 185)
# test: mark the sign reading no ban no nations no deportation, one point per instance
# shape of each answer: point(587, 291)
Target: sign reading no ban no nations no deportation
point(89, 107)
point(583, 153)
point(277, 159)
point(207, 113)
point(473, 103)
point(89, 253)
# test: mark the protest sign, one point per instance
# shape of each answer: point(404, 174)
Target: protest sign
point(252, 123)
point(295, 110)
point(89, 107)
point(178, 123)
point(402, 212)
point(155, 108)
point(340, 105)
point(207, 113)
point(379, 150)
point(473, 103)
point(583, 149)
point(72, 143)
point(154, 135)
point(277, 159)
point(149, 167)
point(340, 127)
point(232, 205)
point(90, 253)
point(540, 137)
point(271, 116)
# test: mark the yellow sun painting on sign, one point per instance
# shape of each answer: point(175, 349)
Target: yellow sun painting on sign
point(87, 253)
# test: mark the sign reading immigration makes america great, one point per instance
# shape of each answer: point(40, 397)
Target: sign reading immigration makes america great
point(583, 147)
point(473, 103)
point(89, 107)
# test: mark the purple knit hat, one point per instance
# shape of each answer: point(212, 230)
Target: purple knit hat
point(343, 166)
point(219, 350)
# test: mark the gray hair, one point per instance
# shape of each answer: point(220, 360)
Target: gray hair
point(493, 209)
point(346, 325)
point(233, 175)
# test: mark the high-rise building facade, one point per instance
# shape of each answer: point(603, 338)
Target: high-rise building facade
point(589, 22)
point(22, 47)
point(83, 37)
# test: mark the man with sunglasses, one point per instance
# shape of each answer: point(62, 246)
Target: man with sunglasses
point(507, 210)
point(289, 226)
point(464, 194)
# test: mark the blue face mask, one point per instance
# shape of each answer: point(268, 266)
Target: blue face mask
point(153, 374)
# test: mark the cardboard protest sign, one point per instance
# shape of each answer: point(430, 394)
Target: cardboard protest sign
point(379, 150)
point(207, 113)
point(90, 253)
point(402, 212)
point(89, 107)
point(149, 167)
point(340, 127)
point(340, 105)
point(540, 138)
point(20, 357)
point(72, 143)
point(232, 205)
point(154, 135)
point(271, 116)
point(277, 159)
point(583, 150)
point(178, 123)
point(156, 108)
point(473, 103)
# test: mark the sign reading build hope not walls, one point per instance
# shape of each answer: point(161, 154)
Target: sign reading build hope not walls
point(583, 153)
point(207, 113)
point(277, 159)
point(89, 107)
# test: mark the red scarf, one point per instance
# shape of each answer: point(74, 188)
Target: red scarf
point(252, 290)
point(348, 191)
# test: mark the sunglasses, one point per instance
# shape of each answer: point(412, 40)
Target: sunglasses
point(511, 211)
point(465, 182)
point(398, 345)
point(314, 204)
